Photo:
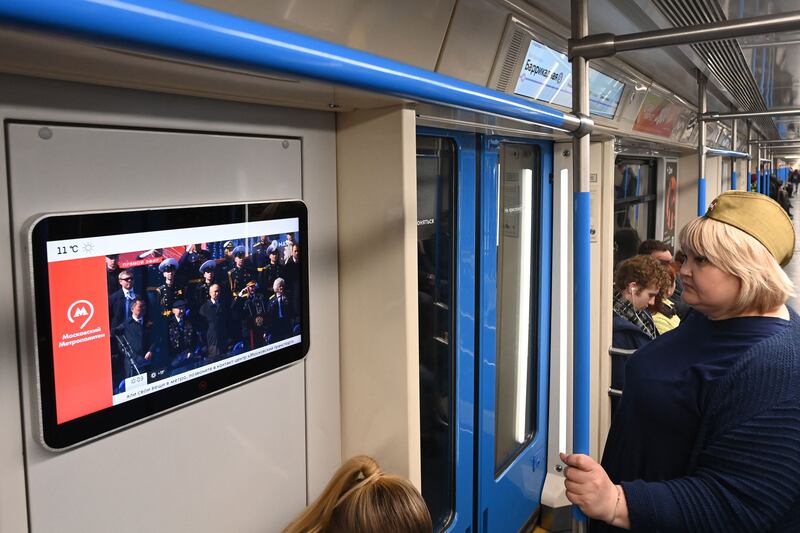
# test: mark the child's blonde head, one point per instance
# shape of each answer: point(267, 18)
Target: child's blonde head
point(360, 498)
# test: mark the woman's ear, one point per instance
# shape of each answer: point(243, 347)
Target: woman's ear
point(633, 288)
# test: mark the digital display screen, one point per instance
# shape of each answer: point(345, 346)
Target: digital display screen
point(657, 116)
point(547, 76)
point(134, 321)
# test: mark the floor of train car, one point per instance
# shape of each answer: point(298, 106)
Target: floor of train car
point(793, 268)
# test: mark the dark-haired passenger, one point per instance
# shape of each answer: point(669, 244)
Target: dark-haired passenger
point(637, 282)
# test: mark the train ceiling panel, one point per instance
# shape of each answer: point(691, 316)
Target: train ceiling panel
point(671, 67)
point(774, 60)
point(411, 31)
point(724, 59)
point(731, 83)
point(39, 55)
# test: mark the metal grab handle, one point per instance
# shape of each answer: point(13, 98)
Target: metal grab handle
point(620, 352)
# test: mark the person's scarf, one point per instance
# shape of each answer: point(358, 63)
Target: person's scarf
point(641, 319)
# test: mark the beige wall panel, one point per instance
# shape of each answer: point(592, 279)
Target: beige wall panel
point(238, 421)
point(376, 164)
point(687, 191)
point(410, 31)
point(602, 248)
point(473, 37)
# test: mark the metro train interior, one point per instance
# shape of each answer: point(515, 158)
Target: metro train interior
point(470, 172)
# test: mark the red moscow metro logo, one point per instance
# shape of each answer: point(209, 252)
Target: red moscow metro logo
point(80, 310)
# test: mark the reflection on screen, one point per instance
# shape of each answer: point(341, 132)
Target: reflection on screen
point(134, 314)
point(547, 76)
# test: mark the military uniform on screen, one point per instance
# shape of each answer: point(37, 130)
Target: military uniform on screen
point(252, 311)
point(239, 276)
point(200, 292)
point(168, 293)
point(183, 337)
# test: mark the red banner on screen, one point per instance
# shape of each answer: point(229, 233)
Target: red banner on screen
point(81, 341)
point(149, 257)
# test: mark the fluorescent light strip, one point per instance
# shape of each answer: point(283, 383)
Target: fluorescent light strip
point(563, 307)
point(524, 311)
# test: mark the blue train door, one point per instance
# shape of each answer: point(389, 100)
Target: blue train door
point(513, 330)
point(484, 206)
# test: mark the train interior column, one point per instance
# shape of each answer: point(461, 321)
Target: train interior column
point(601, 188)
point(376, 155)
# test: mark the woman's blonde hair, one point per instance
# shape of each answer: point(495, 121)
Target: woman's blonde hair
point(360, 498)
point(764, 284)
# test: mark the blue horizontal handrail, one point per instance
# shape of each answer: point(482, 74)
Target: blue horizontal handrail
point(173, 27)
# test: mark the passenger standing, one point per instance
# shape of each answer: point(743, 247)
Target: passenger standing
point(706, 437)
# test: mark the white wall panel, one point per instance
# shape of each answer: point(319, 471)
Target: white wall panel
point(246, 459)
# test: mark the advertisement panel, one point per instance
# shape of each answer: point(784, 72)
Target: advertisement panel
point(658, 116)
point(670, 202)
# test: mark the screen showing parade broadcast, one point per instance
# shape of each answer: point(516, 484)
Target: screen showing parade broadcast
point(133, 315)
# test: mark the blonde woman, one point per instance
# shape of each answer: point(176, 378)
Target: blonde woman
point(707, 437)
point(360, 498)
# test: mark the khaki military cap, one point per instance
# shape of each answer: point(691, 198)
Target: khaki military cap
point(759, 216)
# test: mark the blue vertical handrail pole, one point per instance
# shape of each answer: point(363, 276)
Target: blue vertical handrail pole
point(581, 288)
point(749, 166)
point(701, 145)
point(186, 30)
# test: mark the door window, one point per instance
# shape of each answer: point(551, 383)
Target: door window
point(516, 295)
point(634, 206)
point(435, 177)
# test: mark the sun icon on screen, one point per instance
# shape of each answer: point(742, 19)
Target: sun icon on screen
point(88, 247)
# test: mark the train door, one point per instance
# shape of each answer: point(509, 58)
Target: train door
point(513, 330)
point(484, 207)
point(634, 205)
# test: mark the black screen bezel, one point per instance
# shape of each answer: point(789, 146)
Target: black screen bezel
point(85, 225)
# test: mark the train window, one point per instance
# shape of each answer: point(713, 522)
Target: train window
point(634, 205)
point(435, 179)
point(516, 311)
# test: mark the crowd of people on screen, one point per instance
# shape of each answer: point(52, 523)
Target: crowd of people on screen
point(172, 314)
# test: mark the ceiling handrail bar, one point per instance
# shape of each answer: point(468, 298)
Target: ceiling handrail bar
point(713, 116)
point(607, 44)
point(172, 27)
